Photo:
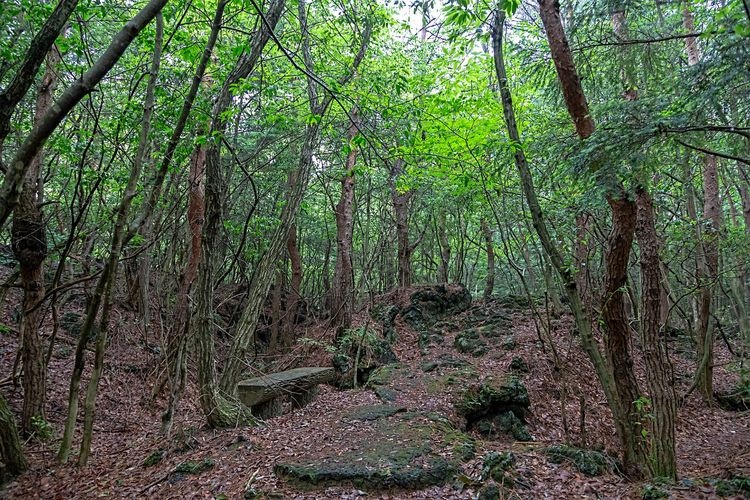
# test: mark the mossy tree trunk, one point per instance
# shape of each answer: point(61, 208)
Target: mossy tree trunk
point(12, 461)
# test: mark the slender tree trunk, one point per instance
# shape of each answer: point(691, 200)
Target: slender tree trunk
point(29, 242)
point(708, 273)
point(263, 273)
point(105, 285)
point(342, 293)
point(177, 344)
point(215, 399)
point(295, 284)
point(583, 322)
point(490, 248)
point(445, 248)
point(41, 46)
point(401, 212)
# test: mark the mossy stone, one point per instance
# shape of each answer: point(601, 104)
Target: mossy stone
point(373, 412)
point(588, 462)
point(469, 342)
point(194, 467)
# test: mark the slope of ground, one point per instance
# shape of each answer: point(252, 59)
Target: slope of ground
point(196, 462)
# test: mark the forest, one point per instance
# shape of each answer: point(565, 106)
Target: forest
point(375, 248)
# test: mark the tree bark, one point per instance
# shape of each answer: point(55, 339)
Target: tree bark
point(444, 244)
point(29, 243)
point(708, 239)
point(659, 370)
point(295, 284)
point(342, 293)
point(617, 332)
point(12, 461)
point(489, 243)
point(400, 202)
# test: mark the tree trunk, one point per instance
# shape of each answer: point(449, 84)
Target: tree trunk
point(444, 244)
point(295, 284)
point(490, 248)
point(105, 285)
point(659, 370)
point(617, 332)
point(12, 461)
point(29, 242)
point(342, 296)
point(41, 46)
point(401, 212)
point(176, 349)
point(708, 272)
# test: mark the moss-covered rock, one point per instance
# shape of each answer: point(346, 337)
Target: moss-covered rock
point(373, 412)
point(494, 396)
point(380, 463)
point(72, 323)
point(588, 462)
point(386, 374)
point(194, 467)
point(385, 316)
point(470, 342)
point(517, 364)
point(734, 486)
point(385, 394)
point(505, 460)
point(490, 491)
point(496, 407)
point(442, 361)
point(373, 353)
point(430, 304)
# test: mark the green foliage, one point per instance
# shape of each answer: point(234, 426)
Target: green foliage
point(41, 429)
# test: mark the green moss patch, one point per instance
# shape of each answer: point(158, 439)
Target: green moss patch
point(194, 467)
point(588, 462)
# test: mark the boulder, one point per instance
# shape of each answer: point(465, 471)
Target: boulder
point(429, 304)
point(470, 342)
point(496, 407)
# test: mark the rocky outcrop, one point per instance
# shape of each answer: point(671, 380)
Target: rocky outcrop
point(496, 407)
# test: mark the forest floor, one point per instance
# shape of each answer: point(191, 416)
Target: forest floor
point(711, 443)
